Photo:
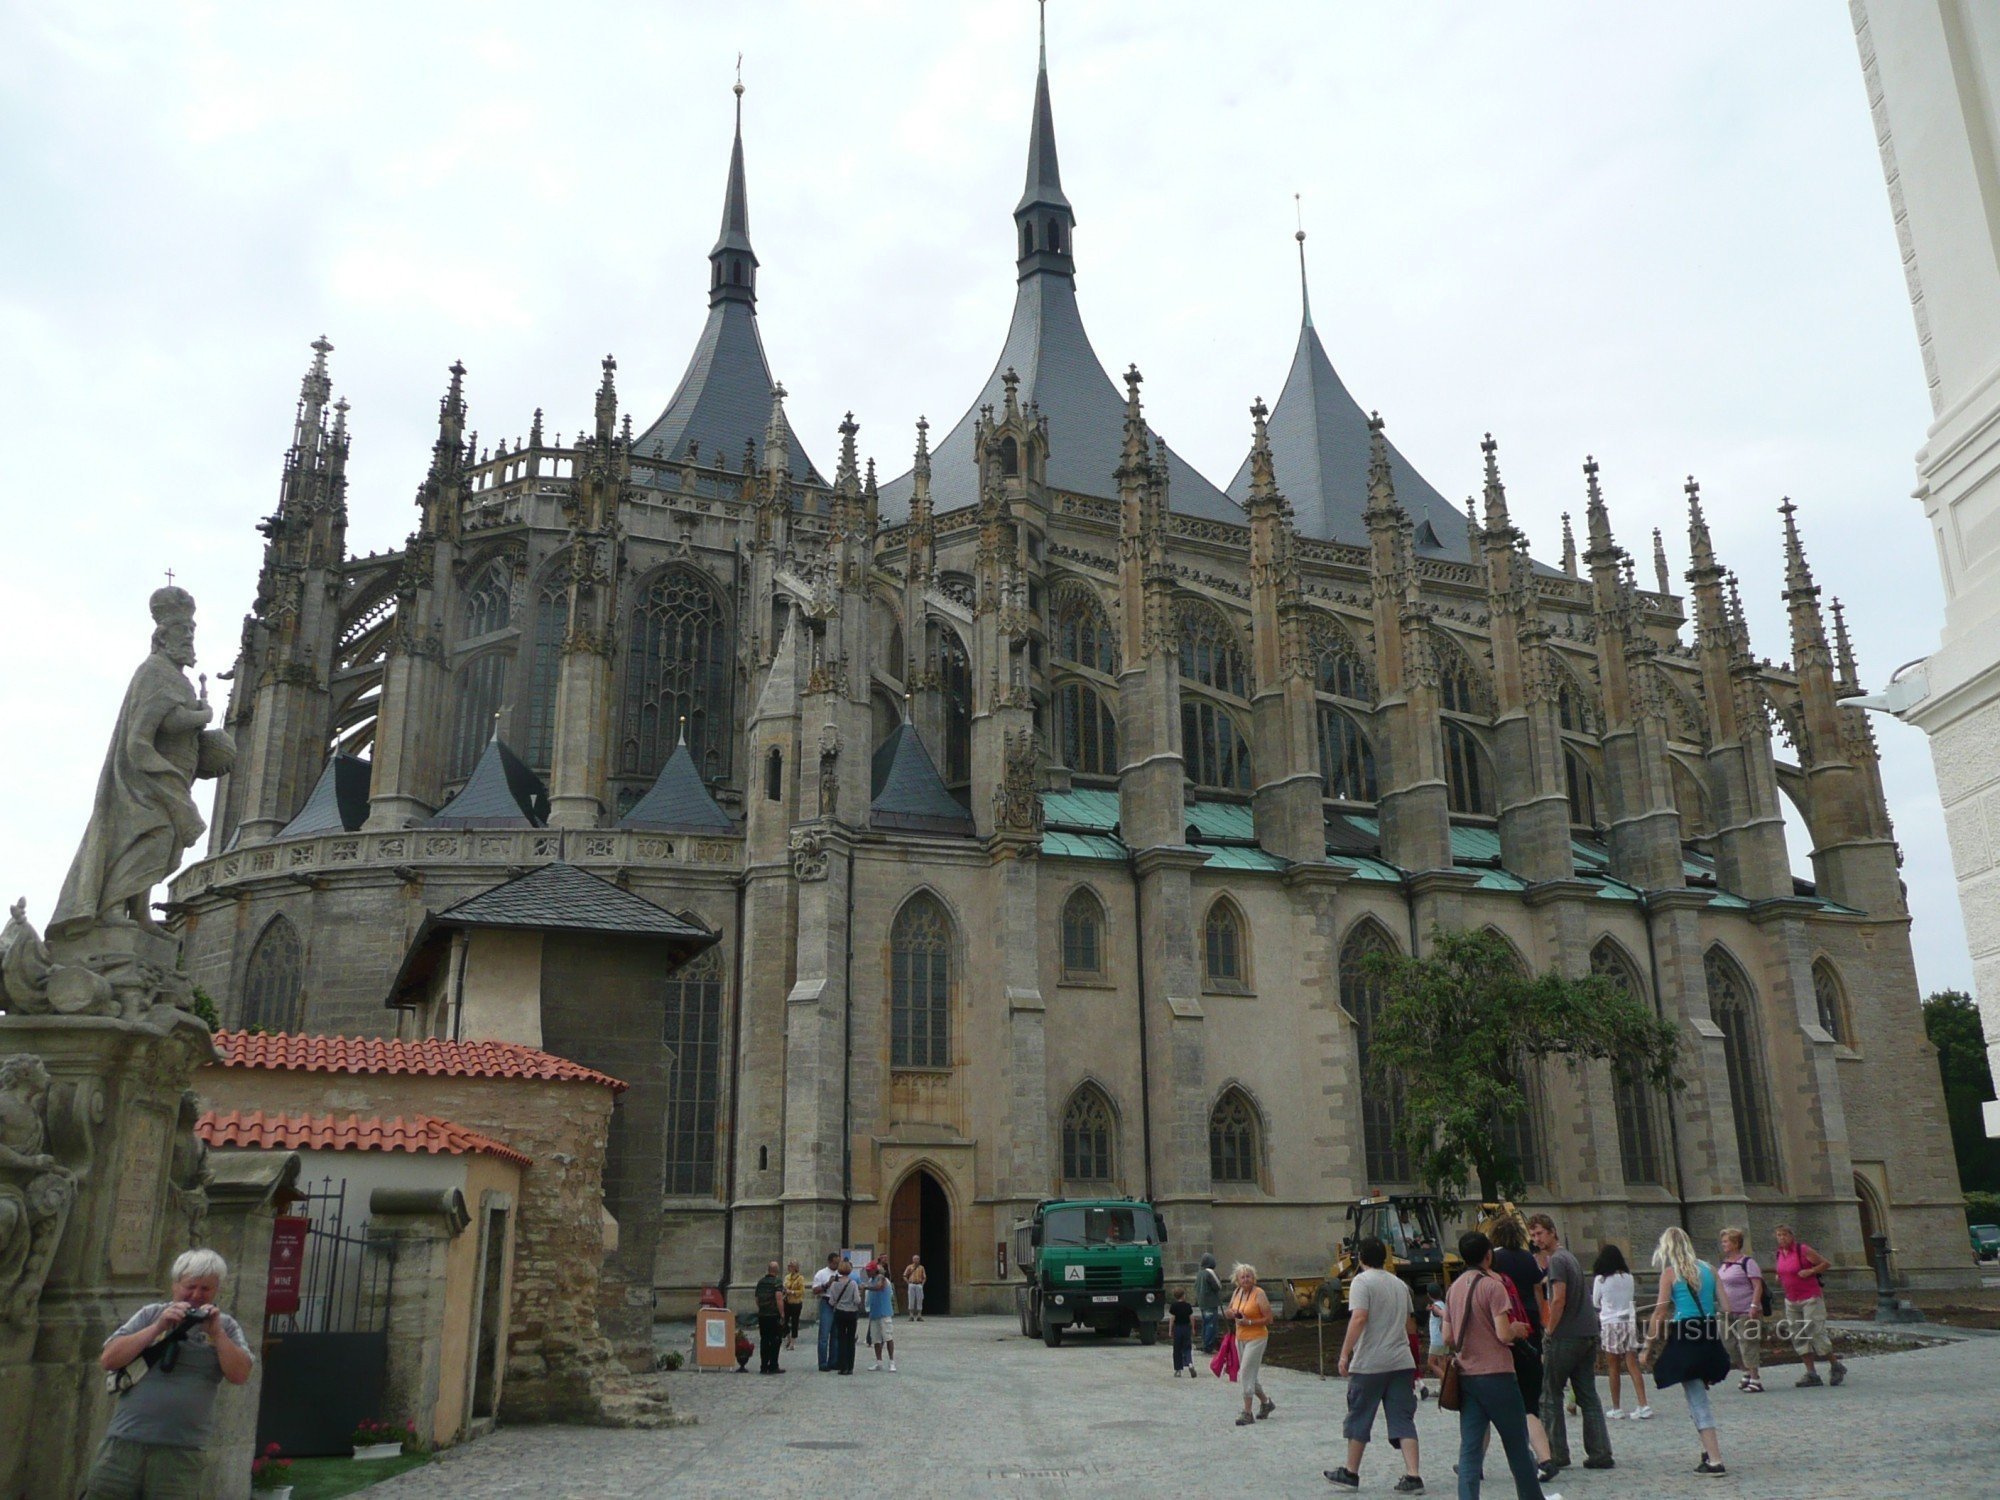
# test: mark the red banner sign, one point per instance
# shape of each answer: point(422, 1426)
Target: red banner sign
point(288, 1254)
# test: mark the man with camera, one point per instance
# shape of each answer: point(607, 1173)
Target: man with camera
point(167, 1361)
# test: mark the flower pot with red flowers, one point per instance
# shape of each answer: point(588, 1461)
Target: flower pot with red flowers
point(271, 1474)
point(375, 1440)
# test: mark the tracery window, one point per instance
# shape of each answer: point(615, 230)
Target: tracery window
point(1210, 653)
point(1083, 935)
point(920, 986)
point(1582, 788)
point(693, 1035)
point(954, 669)
point(1338, 666)
point(1467, 786)
point(1459, 689)
point(1082, 629)
point(1346, 759)
point(1639, 1133)
point(1087, 1134)
point(1212, 747)
point(1233, 1146)
point(481, 691)
point(677, 668)
point(1363, 994)
point(1731, 1005)
point(1573, 708)
point(1830, 1001)
point(1225, 947)
point(545, 668)
point(1519, 1134)
point(489, 602)
point(273, 978)
point(1086, 730)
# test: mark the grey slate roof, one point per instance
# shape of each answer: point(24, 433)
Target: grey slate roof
point(338, 802)
point(724, 399)
point(501, 792)
point(912, 796)
point(677, 801)
point(1060, 372)
point(561, 898)
point(1319, 448)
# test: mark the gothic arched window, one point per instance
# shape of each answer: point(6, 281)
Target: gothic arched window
point(677, 667)
point(1346, 759)
point(1582, 788)
point(954, 669)
point(1234, 1147)
point(481, 692)
point(489, 601)
point(1574, 710)
point(1210, 652)
point(1690, 801)
point(1639, 1134)
point(693, 1035)
point(1460, 690)
point(920, 986)
point(1087, 1137)
point(1732, 1006)
point(273, 978)
point(1225, 947)
point(1830, 1003)
point(1086, 730)
point(1363, 993)
point(1082, 629)
point(1338, 666)
point(545, 668)
point(1213, 750)
point(1467, 786)
point(1083, 935)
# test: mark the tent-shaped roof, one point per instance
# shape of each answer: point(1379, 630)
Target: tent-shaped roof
point(560, 897)
point(501, 792)
point(338, 802)
point(911, 795)
point(677, 801)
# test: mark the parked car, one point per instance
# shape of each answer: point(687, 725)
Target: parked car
point(1986, 1241)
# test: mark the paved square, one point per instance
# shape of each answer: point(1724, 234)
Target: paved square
point(979, 1410)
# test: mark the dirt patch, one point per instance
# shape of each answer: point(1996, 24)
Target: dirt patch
point(1960, 1307)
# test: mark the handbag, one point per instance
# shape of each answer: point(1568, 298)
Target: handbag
point(1450, 1396)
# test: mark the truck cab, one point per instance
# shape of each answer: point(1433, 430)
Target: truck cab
point(1097, 1263)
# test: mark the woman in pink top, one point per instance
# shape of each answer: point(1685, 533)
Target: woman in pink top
point(1481, 1329)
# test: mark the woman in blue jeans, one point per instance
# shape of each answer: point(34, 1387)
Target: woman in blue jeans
point(1480, 1327)
point(1692, 1356)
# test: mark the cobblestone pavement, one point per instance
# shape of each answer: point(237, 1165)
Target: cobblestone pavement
point(978, 1410)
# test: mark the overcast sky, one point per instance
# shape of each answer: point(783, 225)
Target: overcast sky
point(1653, 233)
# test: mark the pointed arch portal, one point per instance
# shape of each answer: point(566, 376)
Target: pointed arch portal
point(920, 1224)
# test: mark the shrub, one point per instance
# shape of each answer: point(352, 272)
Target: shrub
point(1982, 1208)
point(202, 1007)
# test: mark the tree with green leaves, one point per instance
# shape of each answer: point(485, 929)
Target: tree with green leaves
point(1460, 1028)
point(1951, 1020)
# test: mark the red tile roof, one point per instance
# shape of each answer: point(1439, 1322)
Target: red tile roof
point(254, 1127)
point(373, 1054)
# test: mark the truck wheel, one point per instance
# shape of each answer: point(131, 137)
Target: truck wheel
point(1033, 1326)
point(1149, 1331)
point(1052, 1335)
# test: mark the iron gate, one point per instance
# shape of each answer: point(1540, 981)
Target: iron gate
point(324, 1365)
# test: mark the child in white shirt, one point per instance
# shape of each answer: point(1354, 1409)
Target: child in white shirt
point(1618, 1326)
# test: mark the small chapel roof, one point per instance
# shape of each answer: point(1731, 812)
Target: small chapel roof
point(559, 897)
point(503, 791)
point(678, 801)
point(282, 1131)
point(909, 793)
point(338, 802)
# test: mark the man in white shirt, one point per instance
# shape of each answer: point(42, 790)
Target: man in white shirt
point(1380, 1366)
point(821, 1278)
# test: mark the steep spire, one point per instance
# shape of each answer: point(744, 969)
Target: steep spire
point(734, 277)
point(313, 391)
point(1661, 574)
point(607, 401)
point(1496, 492)
point(1597, 519)
point(1701, 547)
point(447, 451)
point(1263, 476)
point(1569, 547)
point(1305, 293)
point(1133, 456)
point(1043, 219)
point(1799, 585)
point(1843, 651)
point(1381, 482)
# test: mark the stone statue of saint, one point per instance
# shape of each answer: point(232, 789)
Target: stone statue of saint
point(143, 818)
point(36, 1190)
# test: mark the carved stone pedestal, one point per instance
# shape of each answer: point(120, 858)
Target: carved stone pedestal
point(100, 1187)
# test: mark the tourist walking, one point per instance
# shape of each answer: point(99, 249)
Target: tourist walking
point(770, 1292)
point(1618, 1327)
point(881, 1313)
point(1742, 1282)
point(845, 1296)
point(1208, 1297)
point(915, 1278)
point(1569, 1351)
point(1180, 1317)
point(822, 1288)
point(1523, 1274)
point(1379, 1363)
point(1685, 1316)
point(1250, 1321)
point(1801, 1271)
point(795, 1299)
point(1482, 1329)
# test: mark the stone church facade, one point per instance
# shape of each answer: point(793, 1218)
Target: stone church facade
point(1045, 798)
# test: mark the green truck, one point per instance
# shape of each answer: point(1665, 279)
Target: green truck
point(1097, 1263)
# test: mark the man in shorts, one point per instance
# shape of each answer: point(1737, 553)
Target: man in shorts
point(881, 1312)
point(1380, 1365)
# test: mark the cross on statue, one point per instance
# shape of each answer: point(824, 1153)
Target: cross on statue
point(170, 578)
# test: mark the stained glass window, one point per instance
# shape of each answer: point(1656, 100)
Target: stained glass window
point(694, 1078)
point(1346, 759)
point(481, 692)
point(677, 667)
point(920, 987)
point(1363, 994)
point(1086, 730)
point(1083, 935)
point(1731, 1005)
point(1232, 1139)
point(1213, 749)
point(1639, 1145)
point(273, 978)
point(1086, 1137)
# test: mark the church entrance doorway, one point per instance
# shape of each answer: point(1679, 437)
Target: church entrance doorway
point(1871, 1218)
point(920, 1224)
